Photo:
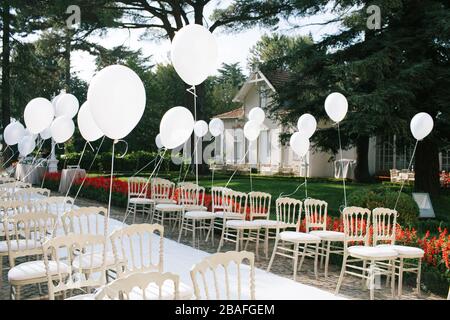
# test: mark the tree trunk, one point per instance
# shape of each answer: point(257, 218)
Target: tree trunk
point(427, 168)
point(6, 66)
point(362, 173)
point(67, 52)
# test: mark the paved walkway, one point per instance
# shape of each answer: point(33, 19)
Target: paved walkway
point(351, 288)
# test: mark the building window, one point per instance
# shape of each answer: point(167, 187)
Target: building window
point(445, 160)
point(385, 153)
point(238, 145)
point(262, 97)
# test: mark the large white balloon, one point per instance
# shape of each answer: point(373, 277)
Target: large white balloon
point(216, 127)
point(252, 129)
point(26, 146)
point(117, 99)
point(299, 144)
point(336, 106)
point(46, 134)
point(55, 101)
point(176, 127)
point(257, 114)
point(158, 141)
point(88, 128)
point(29, 133)
point(201, 128)
point(67, 105)
point(307, 125)
point(38, 115)
point(14, 133)
point(194, 53)
point(421, 125)
point(62, 129)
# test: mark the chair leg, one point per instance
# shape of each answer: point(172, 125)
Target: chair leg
point(238, 239)
point(303, 256)
point(363, 280)
point(341, 276)
point(419, 271)
point(222, 236)
point(400, 278)
point(134, 213)
point(211, 230)
point(257, 244)
point(296, 260)
point(274, 252)
point(266, 243)
point(193, 232)
point(181, 229)
point(327, 258)
point(316, 258)
point(393, 278)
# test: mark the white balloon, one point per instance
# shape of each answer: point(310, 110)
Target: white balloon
point(29, 133)
point(299, 144)
point(26, 146)
point(88, 128)
point(257, 114)
point(194, 53)
point(252, 129)
point(216, 127)
point(421, 125)
point(201, 128)
point(307, 125)
point(67, 105)
point(176, 127)
point(38, 115)
point(336, 106)
point(117, 100)
point(62, 129)
point(14, 133)
point(158, 141)
point(46, 134)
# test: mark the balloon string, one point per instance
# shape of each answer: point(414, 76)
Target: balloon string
point(41, 143)
point(34, 167)
point(192, 153)
point(126, 149)
point(193, 91)
point(290, 194)
point(342, 165)
point(403, 180)
point(213, 167)
point(144, 167)
point(306, 179)
point(110, 185)
point(73, 178)
point(14, 154)
point(236, 168)
point(90, 167)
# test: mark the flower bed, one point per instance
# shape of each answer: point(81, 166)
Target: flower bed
point(51, 180)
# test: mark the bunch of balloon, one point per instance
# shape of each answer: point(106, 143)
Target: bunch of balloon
point(300, 143)
point(194, 55)
point(116, 101)
point(336, 106)
point(421, 126)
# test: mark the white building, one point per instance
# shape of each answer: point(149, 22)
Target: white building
point(268, 156)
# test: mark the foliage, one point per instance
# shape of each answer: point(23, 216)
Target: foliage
point(407, 208)
point(52, 180)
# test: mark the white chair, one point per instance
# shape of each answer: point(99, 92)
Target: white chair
point(384, 230)
point(162, 191)
point(12, 186)
point(316, 212)
point(138, 248)
point(30, 194)
point(29, 231)
point(4, 180)
point(217, 279)
point(217, 205)
point(166, 208)
point(146, 286)
point(194, 217)
point(357, 222)
point(287, 243)
point(74, 262)
point(137, 198)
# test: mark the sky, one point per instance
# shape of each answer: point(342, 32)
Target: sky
point(232, 47)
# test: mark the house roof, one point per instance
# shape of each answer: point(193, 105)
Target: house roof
point(233, 114)
point(274, 80)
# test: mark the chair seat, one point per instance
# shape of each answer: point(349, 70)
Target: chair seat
point(372, 253)
point(270, 224)
point(93, 261)
point(168, 207)
point(35, 270)
point(141, 201)
point(328, 235)
point(405, 251)
point(200, 215)
point(242, 224)
point(194, 208)
point(82, 297)
point(165, 201)
point(229, 215)
point(300, 237)
point(19, 245)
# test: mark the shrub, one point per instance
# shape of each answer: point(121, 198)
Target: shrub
point(407, 208)
point(51, 181)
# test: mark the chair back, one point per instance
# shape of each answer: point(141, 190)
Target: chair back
point(74, 261)
point(191, 194)
point(214, 278)
point(162, 189)
point(27, 232)
point(141, 246)
point(9, 209)
point(4, 180)
point(58, 205)
point(11, 186)
point(259, 205)
point(217, 198)
point(316, 214)
point(356, 225)
point(384, 223)
point(29, 194)
point(142, 286)
point(235, 202)
point(86, 220)
point(289, 212)
point(137, 187)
